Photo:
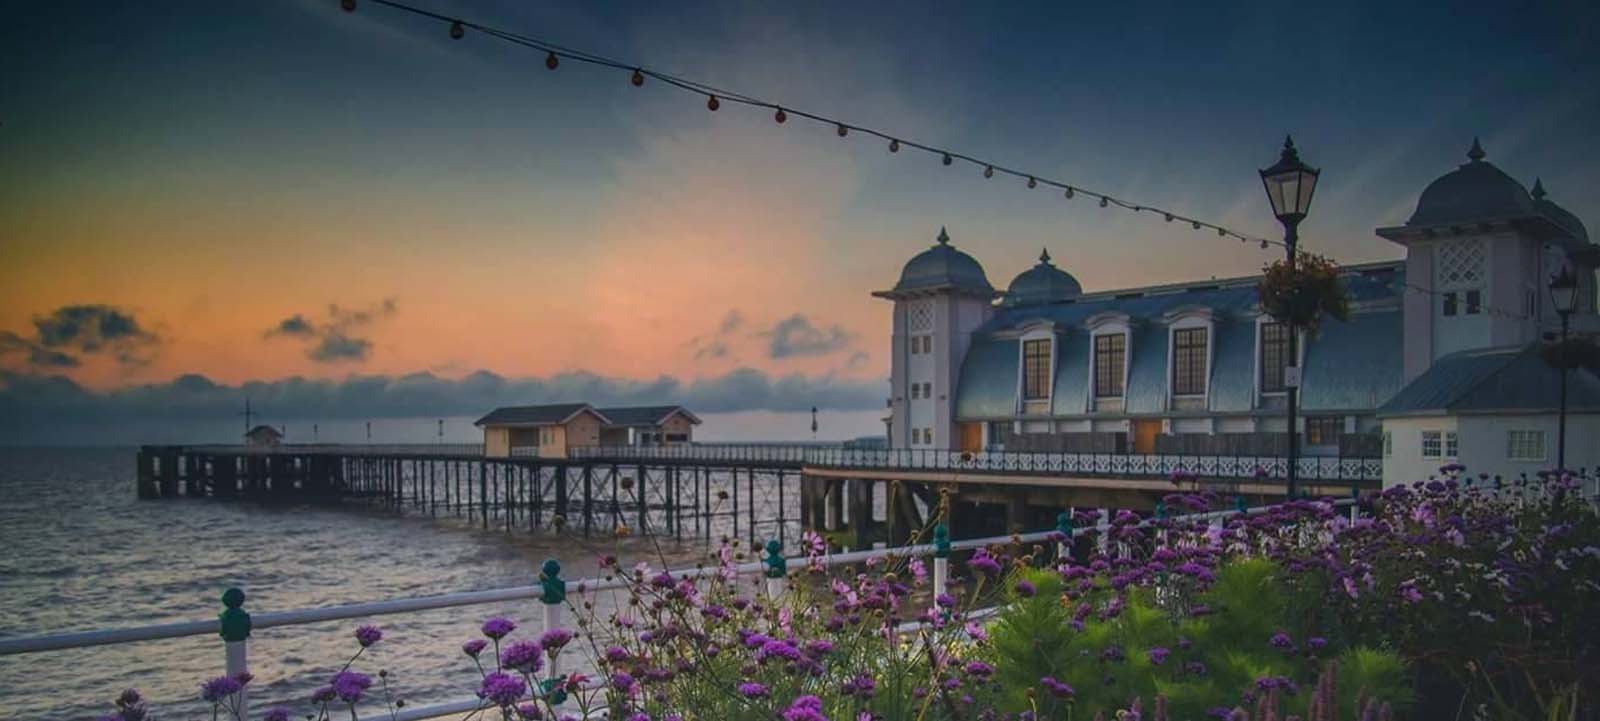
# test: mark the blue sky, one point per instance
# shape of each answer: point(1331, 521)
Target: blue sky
point(211, 169)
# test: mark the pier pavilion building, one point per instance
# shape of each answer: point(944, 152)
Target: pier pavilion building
point(1197, 368)
point(552, 430)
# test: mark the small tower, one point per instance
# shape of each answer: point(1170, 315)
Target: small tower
point(1483, 249)
point(942, 297)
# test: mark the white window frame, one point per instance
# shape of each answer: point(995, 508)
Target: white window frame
point(1452, 445)
point(1186, 319)
point(1438, 443)
point(1109, 323)
point(1511, 446)
point(1299, 357)
point(1045, 333)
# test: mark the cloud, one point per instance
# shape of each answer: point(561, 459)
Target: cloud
point(70, 332)
point(796, 336)
point(295, 325)
point(713, 350)
point(36, 406)
point(730, 322)
point(334, 340)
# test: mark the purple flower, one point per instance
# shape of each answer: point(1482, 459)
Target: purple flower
point(1281, 640)
point(554, 639)
point(945, 600)
point(1056, 688)
point(277, 713)
point(978, 669)
point(529, 712)
point(502, 689)
point(779, 649)
point(804, 708)
point(623, 682)
point(819, 647)
point(524, 656)
point(984, 563)
point(1158, 655)
point(1409, 592)
point(474, 647)
point(861, 685)
point(349, 685)
point(751, 689)
point(368, 635)
point(220, 688)
point(1026, 589)
point(1316, 643)
point(498, 627)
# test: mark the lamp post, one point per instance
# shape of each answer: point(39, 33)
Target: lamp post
point(1289, 184)
point(1564, 295)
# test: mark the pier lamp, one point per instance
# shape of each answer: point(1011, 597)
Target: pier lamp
point(1289, 184)
point(1564, 295)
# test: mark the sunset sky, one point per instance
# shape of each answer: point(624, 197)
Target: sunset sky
point(241, 192)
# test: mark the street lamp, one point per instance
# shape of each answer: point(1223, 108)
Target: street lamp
point(1564, 295)
point(1289, 184)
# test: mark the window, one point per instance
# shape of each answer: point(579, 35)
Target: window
point(1036, 369)
point(1109, 354)
point(999, 433)
point(927, 390)
point(927, 344)
point(1431, 444)
point(1449, 303)
point(1388, 444)
point(1274, 356)
point(1324, 430)
point(1474, 302)
point(1451, 447)
point(1525, 445)
point(916, 344)
point(1189, 361)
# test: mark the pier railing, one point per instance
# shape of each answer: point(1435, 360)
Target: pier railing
point(235, 634)
point(436, 450)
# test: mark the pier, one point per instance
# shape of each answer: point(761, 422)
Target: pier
point(857, 497)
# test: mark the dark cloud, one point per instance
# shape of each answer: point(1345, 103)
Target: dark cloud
point(295, 325)
point(70, 332)
point(714, 349)
point(335, 339)
point(797, 336)
point(336, 346)
point(731, 322)
point(39, 405)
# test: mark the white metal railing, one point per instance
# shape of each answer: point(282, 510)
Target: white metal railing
point(235, 650)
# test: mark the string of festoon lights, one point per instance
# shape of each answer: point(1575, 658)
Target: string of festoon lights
point(715, 96)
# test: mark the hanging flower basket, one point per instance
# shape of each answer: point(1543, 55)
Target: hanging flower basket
point(1301, 295)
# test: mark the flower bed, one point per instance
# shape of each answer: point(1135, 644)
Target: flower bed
point(1440, 599)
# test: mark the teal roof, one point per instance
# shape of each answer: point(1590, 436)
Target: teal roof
point(1353, 365)
point(1043, 283)
point(1514, 378)
point(1475, 191)
point(944, 267)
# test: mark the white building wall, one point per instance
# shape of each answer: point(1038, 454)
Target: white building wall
point(1484, 443)
point(1403, 462)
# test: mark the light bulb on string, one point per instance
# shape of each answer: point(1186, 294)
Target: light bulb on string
point(637, 79)
point(1263, 244)
point(1221, 232)
point(946, 159)
point(1195, 223)
point(551, 61)
point(348, 5)
point(1168, 216)
point(1069, 192)
point(894, 145)
point(1102, 201)
point(1032, 183)
point(988, 171)
point(712, 103)
point(842, 130)
point(780, 116)
point(457, 30)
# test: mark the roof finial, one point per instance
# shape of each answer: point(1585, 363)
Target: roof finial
point(1289, 154)
point(1476, 153)
point(1044, 256)
point(1538, 189)
point(944, 238)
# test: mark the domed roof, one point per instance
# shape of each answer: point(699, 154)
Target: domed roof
point(942, 266)
point(1561, 216)
point(1043, 283)
point(1475, 191)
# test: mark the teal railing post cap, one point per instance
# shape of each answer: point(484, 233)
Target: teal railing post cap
point(553, 589)
point(1064, 524)
point(777, 565)
point(941, 541)
point(1161, 510)
point(1238, 504)
point(233, 623)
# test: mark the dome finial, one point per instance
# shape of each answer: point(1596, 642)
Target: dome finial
point(1044, 256)
point(1538, 189)
point(944, 238)
point(1476, 153)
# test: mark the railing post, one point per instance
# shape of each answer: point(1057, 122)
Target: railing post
point(941, 561)
point(234, 627)
point(1064, 544)
point(1355, 502)
point(777, 569)
point(552, 595)
point(1161, 515)
point(1102, 539)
